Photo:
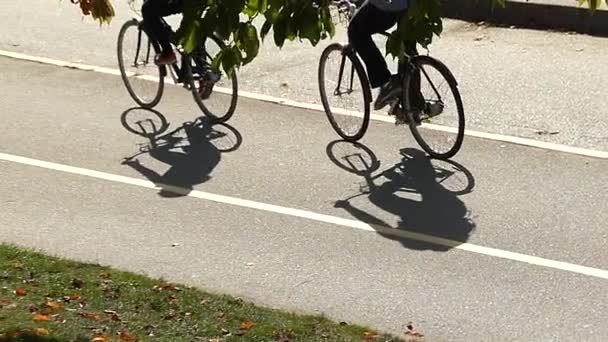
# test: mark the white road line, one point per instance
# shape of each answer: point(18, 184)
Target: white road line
point(244, 203)
point(317, 107)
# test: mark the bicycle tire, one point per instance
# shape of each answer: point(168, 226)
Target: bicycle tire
point(123, 73)
point(414, 120)
point(227, 114)
point(361, 75)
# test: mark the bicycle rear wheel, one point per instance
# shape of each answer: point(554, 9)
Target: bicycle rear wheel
point(346, 100)
point(143, 79)
point(216, 99)
point(436, 118)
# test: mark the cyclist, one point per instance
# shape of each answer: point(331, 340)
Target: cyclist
point(152, 12)
point(375, 16)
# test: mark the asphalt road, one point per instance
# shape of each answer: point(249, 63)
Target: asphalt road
point(513, 199)
point(541, 85)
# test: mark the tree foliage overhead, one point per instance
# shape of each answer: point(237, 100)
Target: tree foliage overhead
point(288, 19)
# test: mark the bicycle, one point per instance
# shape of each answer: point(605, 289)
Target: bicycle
point(193, 71)
point(409, 107)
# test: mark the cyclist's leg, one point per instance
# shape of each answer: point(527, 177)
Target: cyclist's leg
point(152, 12)
point(367, 21)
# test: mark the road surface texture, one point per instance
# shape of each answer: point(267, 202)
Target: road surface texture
point(540, 85)
point(501, 215)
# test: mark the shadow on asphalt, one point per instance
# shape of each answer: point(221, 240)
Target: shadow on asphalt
point(192, 150)
point(422, 192)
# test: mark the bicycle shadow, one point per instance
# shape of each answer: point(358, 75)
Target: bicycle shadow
point(431, 215)
point(189, 151)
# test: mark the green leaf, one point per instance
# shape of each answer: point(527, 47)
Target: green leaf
point(394, 45)
point(309, 26)
point(191, 36)
point(231, 59)
point(280, 29)
point(265, 29)
point(248, 38)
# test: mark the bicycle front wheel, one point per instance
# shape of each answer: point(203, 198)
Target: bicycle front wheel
point(142, 78)
point(344, 92)
point(435, 113)
point(217, 99)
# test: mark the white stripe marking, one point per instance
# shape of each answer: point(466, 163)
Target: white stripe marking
point(317, 107)
point(559, 265)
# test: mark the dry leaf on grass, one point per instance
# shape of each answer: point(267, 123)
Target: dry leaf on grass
point(20, 291)
point(127, 336)
point(54, 305)
point(17, 264)
point(89, 315)
point(368, 335)
point(247, 325)
point(100, 338)
point(41, 331)
point(41, 317)
point(77, 283)
point(71, 297)
point(12, 334)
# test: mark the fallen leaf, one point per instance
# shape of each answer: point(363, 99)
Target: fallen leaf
point(167, 287)
point(77, 283)
point(18, 265)
point(41, 331)
point(12, 334)
point(116, 318)
point(41, 318)
point(5, 302)
point(105, 275)
point(247, 325)
point(75, 297)
point(100, 338)
point(368, 335)
point(20, 291)
point(33, 308)
point(54, 305)
point(89, 315)
point(127, 336)
point(412, 332)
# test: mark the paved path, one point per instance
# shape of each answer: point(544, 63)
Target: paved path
point(534, 84)
point(520, 233)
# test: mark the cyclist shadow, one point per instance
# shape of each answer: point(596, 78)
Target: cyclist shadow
point(431, 216)
point(189, 151)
